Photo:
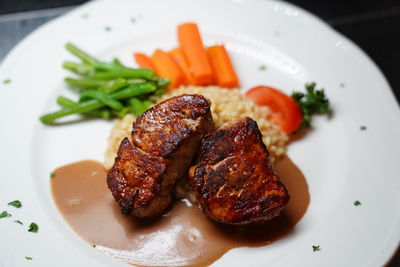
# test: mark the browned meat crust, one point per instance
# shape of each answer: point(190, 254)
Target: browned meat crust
point(233, 180)
point(164, 141)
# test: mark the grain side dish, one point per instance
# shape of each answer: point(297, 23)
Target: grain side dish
point(227, 105)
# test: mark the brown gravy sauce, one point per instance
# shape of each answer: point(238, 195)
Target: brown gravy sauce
point(181, 237)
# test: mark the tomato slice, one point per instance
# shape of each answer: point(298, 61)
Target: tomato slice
point(284, 110)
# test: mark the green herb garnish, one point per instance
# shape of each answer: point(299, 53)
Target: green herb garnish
point(28, 258)
point(310, 103)
point(357, 203)
point(94, 245)
point(33, 227)
point(363, 128)
point(107, 28)
point(15, 203)
point(316, 248)
point(262, 67)
point(5, 214)
point(6, 81)
point(19, 222)
point(52, 175)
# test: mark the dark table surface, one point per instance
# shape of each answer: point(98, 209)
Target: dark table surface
point(373, 25)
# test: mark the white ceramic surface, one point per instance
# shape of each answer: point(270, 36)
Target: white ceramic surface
point(342, 163)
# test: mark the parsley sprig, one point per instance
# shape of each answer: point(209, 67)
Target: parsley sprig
point(312, 102)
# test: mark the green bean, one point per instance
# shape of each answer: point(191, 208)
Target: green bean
point(125, 73)
point(135, 81)
point(130, 91)
point(134, 90)
point(80, 53)
point(105, 113)
point(65, 102)
point(136, 106)
point(103, 98)
point(78, 108)
point(159, 92)
point(163, 82)
point(102, 66)
point(147, 104)
point(85, 83)
point(116, 62)
point(81, 69)
point(121, 113)
point(114, 85)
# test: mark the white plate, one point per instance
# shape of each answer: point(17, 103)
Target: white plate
point(342, 163)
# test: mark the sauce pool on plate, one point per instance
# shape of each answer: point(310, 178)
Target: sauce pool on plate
point(182, 236)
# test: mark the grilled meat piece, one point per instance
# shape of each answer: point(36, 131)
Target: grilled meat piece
point(165, 139)
point(232, 178)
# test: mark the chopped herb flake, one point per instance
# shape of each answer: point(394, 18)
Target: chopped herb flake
point(15, 203)
point(107, 28)
point(363, 128)
point(262, 67)
point(93, 245)
point(6, 81)
point(5, 214)
point(357, 203)
point(19, 222)
point(28, 258)
point(316, 248)
point(33, 227)
point(52, 175)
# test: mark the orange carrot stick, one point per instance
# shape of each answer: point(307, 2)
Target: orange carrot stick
point(167, 68)
point(195, 54)
point(180, 60)
point(143, 61)
point(224, 74)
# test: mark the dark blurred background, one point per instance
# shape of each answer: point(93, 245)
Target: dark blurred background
point(373, 25)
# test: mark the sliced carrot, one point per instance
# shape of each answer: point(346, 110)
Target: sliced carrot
point(192, 47)
point(224, 73)
point(143, 61)
point(167, 68)
point(180, 59)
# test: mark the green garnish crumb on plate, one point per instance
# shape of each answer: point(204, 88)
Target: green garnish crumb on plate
point(19, 222)
point(33, 227)
point(357, 203)
point(28, 258)
point(316, 248)
point(5, 214)
point(6, 81)
point(15, 203)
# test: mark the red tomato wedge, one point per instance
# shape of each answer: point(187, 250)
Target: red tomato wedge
point(284, 110)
